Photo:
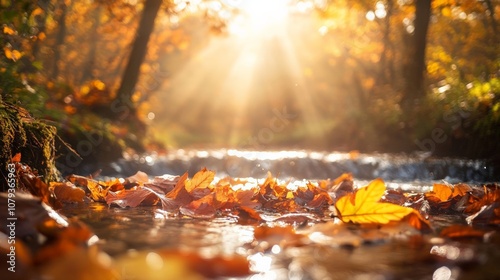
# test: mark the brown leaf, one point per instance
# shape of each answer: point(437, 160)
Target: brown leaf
point(33, 184)
point(201, 208)
point(417, 221)
point(488, 214)
point(138, 178)
point(67, 192)
point(247, 216)
point(488, 198)
point(97, 191)
point(131, 198)
point(179, 194)
point(165, 182)
point(440, 191)
point(312, 197)
point(461, 190)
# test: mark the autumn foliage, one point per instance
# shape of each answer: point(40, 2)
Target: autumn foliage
point(283, 214)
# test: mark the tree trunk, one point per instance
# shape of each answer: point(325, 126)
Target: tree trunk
point(386, 73)
point(88, 68)
point(61, 35)
point(491, 9)
point(137, 55)
point(415, 71)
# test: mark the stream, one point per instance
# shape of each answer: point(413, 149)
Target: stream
point(122, 231)
point(309, 165)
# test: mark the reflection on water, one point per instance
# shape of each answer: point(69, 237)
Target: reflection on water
point(140, 229)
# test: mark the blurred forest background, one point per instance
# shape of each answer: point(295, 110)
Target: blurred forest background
point(388, 76)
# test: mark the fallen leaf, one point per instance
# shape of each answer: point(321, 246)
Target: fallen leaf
point(179, 194)
point(461, 190)
point(201, 208)
point(488, 214)
point(131, 198)
point(417, 221)
point(247, 216)
point(29, 181)
point(363, 206)
point(201, 180)
point(440, 191)
point(67, 192)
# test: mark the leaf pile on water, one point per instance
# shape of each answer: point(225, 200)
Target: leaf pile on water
point(283, 214)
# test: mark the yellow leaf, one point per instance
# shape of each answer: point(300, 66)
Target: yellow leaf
point(201, 179)
point(8, 30)
point(364, 207)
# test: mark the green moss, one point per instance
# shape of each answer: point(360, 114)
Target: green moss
point(32, 138)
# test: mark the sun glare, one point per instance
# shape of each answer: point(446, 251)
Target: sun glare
point(263, 14)
point(239, 85)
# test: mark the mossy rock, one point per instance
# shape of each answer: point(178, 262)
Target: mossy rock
point(33, 139)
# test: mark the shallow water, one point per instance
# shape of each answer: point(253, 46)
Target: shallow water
point(399, 257)
point(140, 229)
point(307, 165)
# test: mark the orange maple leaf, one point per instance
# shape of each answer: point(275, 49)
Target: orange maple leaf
point(440, 191)
point(200, 180)
point(364, 206)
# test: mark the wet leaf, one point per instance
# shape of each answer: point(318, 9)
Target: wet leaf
point(247, 215)
point(201, 208)
point(461, 190)
point(67, 192)
point(138, 178)
point(441, 191)
point(490, 196)
point(312, 197)
point(165, 182)
point(416, 220)
point(363, 206)
point(488, 214)
point(97, 191)
point(179, 194)
point(131, 198)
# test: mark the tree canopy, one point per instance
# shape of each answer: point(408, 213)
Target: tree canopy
point(369, 75)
